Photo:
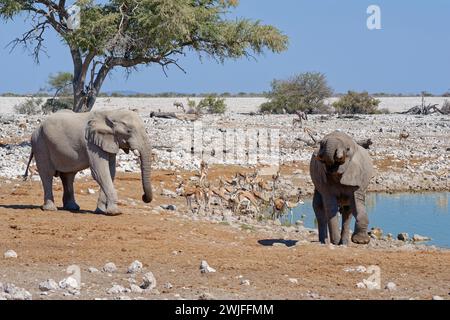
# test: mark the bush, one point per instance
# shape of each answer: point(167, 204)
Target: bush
point(210, 105)
point(446, 107)
point(356, 103)
point(304, 92)
point(54, 105)
point(30, 106)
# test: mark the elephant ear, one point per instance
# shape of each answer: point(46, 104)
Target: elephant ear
point(99, 133)
point(359, 170)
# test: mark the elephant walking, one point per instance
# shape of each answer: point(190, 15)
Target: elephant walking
point(68, 142)
point(341, 171)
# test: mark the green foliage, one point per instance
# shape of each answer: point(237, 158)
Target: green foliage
point(305, 92)
point(213, 105)
point(30, 106)
point(357, 103)
point(54, 105)
point(209, 105)
point(61, 83)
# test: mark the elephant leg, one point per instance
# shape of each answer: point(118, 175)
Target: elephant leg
point(331, 210)
point(360, 235)
point(69, 196)
point(319, 210)
point(346, 219)
point(102, 200)
point(100, 167)
point(46, 173)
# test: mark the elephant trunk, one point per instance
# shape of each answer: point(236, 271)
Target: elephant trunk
point(145, 155)
point(329, 152)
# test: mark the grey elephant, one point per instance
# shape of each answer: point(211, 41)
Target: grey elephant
point(67, 142)
point(341, 171)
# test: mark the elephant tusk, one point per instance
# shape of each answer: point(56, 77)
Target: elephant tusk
point(136, 153)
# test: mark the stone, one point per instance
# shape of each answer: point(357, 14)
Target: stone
point(110, 267)
point(15, 293)
point(148, 281)
point(361, 285)
point(10, 254)
point(116, 289)
point(48, 285)
point(245, 282)
point(169, 207)
point(205, 268)
point(91, 191)
point(376, 233)
point(419, 238)
point(437, 298)
point(403, 236)
point(361, 269)
point(391, 286)
point(277, 222)
point(168, 285)
point(93, 270)
point(206, 296)
point(168, 193)
point(135, 267)
point(136, 289)
point(69, 283)
point(293, 280)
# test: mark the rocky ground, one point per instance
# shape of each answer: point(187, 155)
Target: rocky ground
point(251, 259)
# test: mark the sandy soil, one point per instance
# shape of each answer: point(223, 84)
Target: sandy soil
point(172, 246)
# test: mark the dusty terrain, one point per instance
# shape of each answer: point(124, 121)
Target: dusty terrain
point(280, 262)
point(172, 244)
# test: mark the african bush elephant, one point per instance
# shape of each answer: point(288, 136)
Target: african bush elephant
point(341, 171)
point(68, 142)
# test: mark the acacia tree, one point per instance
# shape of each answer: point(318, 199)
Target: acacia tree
point(129, 33)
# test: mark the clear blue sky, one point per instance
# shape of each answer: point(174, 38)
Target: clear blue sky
point(410, 54)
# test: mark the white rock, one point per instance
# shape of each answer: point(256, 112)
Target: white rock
point(136, 289)
point(370, 285)
point(361, 285)
point(69, 283)
point(205, 268)
point(293, 280)
point(135, 267)
point(91, 191)
point(10, 254)
point(391, 286)
point(245, 282)
point(110, 267)
point(15, 293)
point(116, 289)
point(48, 285)
point(437, 298)
point(148, 281)
point(168, 285)
point(419, 238)
point(168, 193)
point(93, 270)
point(361, 269)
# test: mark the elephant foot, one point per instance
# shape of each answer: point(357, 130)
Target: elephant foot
point(49, 206)
point(343, 243)
point(100, 211)
point(113, 211)
point(361, 238)
point(71, 206)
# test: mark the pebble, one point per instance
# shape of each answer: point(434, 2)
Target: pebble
point(10, 254)
point(376, 233)
point(148, 281)
point(69, 283)
point(437, 298)
point(245, 282)
point(169, 207)
point(91, 191)
point(93, 270)
point(419, 238)
point(136, 289)
point(135, 267)
point(48, 285)
point(11, 292)
point(205, 268)
point(168, 193)
point(116, 289)
point(391, 286)
point(110, 267)
point(293, 280)
point(403, 236)
point(168, 285)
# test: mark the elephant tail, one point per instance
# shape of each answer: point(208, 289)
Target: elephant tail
point(25, 176)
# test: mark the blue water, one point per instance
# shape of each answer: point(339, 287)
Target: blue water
point(427, 214)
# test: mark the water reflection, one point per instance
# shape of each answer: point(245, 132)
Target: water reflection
point(426, 214)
